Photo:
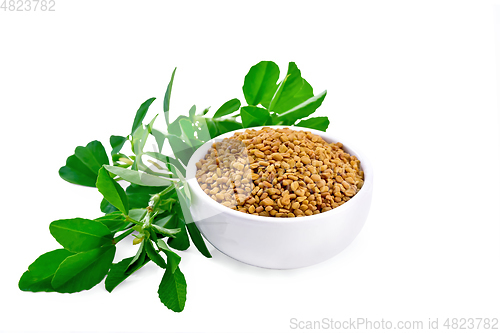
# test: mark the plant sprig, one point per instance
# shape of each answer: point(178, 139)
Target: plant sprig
point(154, 206)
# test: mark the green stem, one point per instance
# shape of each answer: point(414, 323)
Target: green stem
point(122, 236)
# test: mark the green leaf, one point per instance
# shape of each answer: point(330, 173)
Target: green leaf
point(213, 131)
point(162, 222)
point(260, 83)
point(117, 143)
point(205, 111)
point(197, 239)
point(137, 177)
point(80, 235)
point(227, 108)
point(319, 123)
point(153, 255)
point(295, 91)
point(106, 207)
point(166, 100)
point(203, 128)
point(302, 110)
point(82, 167)
point(192, 112)
point(173, 289)
point(186, 218)
point(112, 191)
point(166, 204)
point(254, 116)
point(83, 270)
point(227, 125)
point(40, 272)
point(137, 214)
point(188, 133)
point(117, 273)
point(159, 138)
point(277, 94)
point(141, 113)
point(175, 128)
point(139, 196)
point(137, 140)
point(181, 149)
point(173, 258)
point(305, 92)
point(181, 240)
point(115, 221)
point(140, 137)
point(138, 259)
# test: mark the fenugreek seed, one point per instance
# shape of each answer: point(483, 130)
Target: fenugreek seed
point(266, 184)
point(300, 192)
point(251, 201)
point(269, 208)
point(251, 209)
point(316, 177)
point(267, 202)
point(238, 165)
point(259, 209)
point(260, 154)
point(298, 212)
point(294, 186)
point(308, 212)
point(264, 163)
point(350, 192)
point(305, 159)
point(276, 157)
point(295, 205)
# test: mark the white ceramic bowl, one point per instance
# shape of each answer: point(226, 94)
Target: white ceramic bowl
point(280, 243)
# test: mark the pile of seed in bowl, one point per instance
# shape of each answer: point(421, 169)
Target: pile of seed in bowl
point(279, 172)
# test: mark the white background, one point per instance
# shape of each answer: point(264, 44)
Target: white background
point(412, 83)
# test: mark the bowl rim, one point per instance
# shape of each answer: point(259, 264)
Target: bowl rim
point(195, 186)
